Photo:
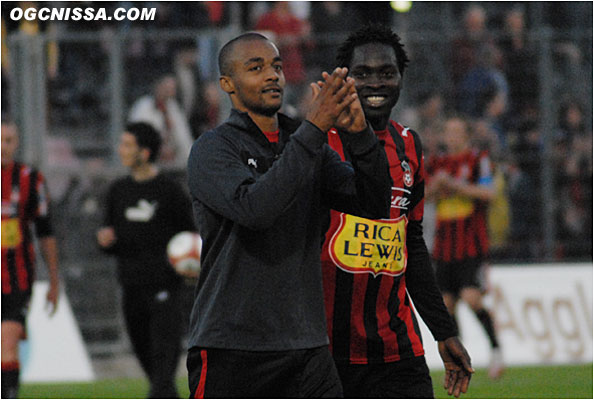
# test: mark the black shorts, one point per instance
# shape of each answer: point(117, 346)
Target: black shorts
point(457, 275)
point(406, 379)
point(217, 373)
point(15, 306)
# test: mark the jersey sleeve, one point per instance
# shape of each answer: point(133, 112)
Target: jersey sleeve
point(422, 285)
point(219, 178)
point(420, 276)
point(418, 190)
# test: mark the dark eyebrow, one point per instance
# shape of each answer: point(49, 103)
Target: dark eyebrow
point(253, 60)
point(383, 66)
point(260, 59)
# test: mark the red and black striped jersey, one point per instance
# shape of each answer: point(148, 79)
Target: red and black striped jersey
point(369, 314)
point(461, 228)
point(24, 202)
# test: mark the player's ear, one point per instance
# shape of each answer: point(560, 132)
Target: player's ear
point(145, 153)
point(226, 84)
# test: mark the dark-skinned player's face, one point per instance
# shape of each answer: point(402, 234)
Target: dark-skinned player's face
point(257, 79)
point(377, 79)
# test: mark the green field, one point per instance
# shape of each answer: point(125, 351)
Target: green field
point(562, 382)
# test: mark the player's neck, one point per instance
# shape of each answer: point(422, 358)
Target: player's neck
point(264, 122)
point(144, 172)
point(380, 124)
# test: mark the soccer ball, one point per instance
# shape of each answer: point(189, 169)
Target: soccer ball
point(183, 251)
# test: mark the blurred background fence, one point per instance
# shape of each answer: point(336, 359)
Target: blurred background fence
point(521, 73)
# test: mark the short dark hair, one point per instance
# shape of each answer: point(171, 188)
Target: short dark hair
point(147, 137)
point(371, 34)
point(227, 50)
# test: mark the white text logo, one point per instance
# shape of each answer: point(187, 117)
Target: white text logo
point(85, 14)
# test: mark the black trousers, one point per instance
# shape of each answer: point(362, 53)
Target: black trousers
point(406, 379)
point(153, 321)
point(217, 373)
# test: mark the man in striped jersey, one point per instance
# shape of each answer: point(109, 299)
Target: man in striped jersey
point(461, 181)
point(372, 268)
point(24, 203)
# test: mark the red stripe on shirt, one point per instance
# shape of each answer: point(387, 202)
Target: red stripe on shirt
point(459, 241)
point(5, 278)
point(6, 195)
point(24, 192)
point(405, 314)
point(383, 318)
point(199, 394)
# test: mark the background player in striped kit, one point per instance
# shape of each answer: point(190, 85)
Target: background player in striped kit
point(374, 335)
point(462, 182)
point(24, 202)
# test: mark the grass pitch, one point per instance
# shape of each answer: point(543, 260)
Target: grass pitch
point(555, 382)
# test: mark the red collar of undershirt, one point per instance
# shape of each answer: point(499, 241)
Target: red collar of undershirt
point(383, 134)
point(272, 136)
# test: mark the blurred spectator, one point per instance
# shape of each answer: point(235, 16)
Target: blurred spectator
point(199, 98)
point(29, 28)
point(473, 41)
point(164, 113)
point(573, 165)
point(575, 211)
point(290, 33)
point(187, 75)
point(218, 12)
point(206, 115)
point(480, 87)
point(519, 63)
point(330, 21)
point(200, 14)
point(428, 116)
point(138, 66)
point(524, 194)
point(5, 67)
point(486, 138)
point(572, 122)
point(494, 105)
point(81, 90)
point(482, 84)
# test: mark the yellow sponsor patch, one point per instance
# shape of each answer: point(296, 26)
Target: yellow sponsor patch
point(454, 208)
point(363, 245)
point(11, 233)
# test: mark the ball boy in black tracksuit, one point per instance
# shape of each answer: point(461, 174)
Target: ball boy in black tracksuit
point(261, 187)
point(144, 210)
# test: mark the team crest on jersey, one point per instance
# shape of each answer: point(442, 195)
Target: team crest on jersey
point(363, 245)
point(407, 176)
